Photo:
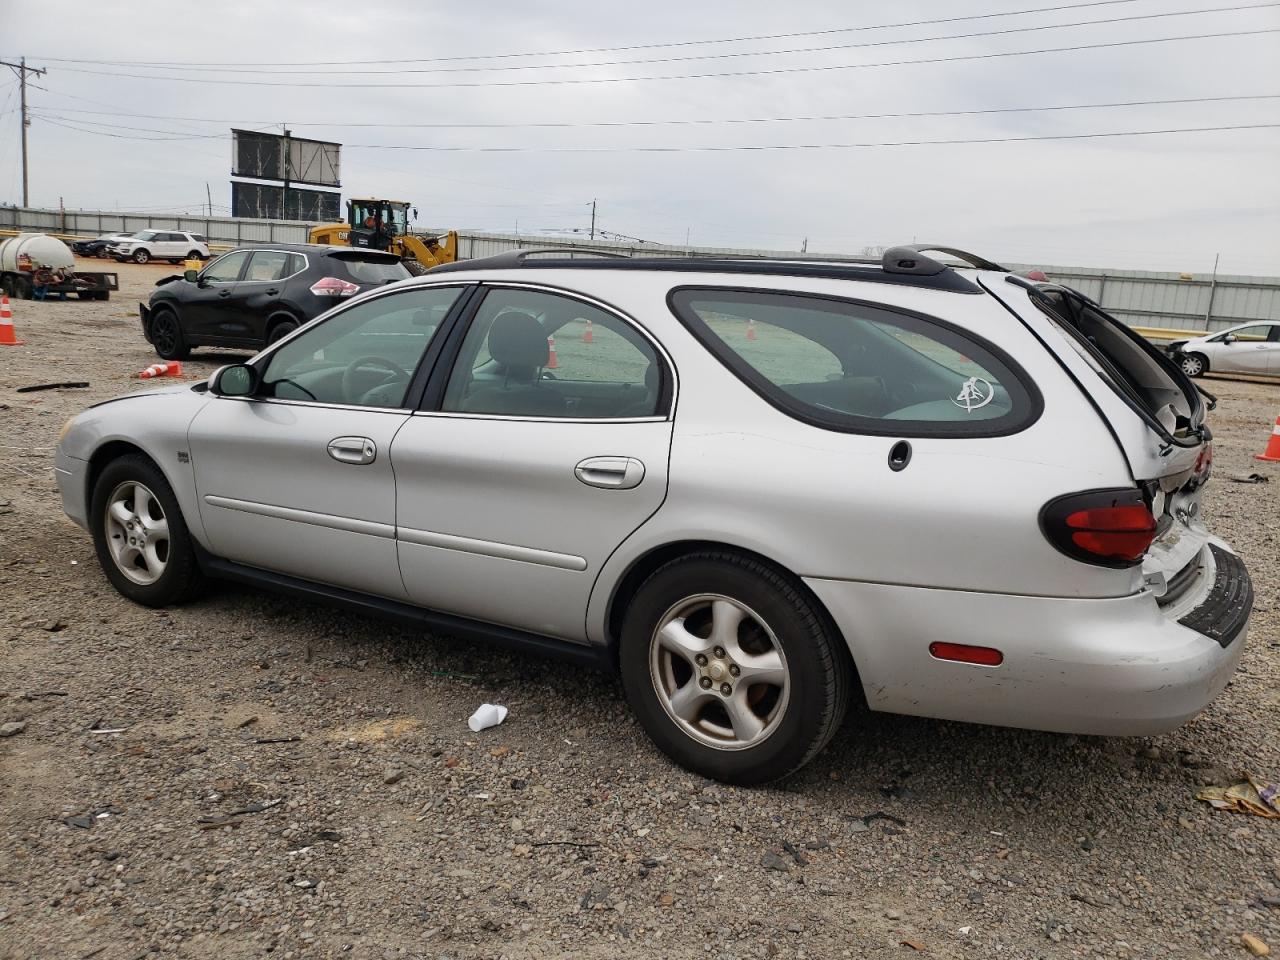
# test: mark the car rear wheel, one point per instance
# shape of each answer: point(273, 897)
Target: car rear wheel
point(731, 670)
point(104, 253)
point(280, 331)
point(193, 255)
point(140, 536)
point(1193, 364)
point(166, 335)
point(141, 256)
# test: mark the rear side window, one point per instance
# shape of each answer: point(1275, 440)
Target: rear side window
point(860, 367)
point(371, 270)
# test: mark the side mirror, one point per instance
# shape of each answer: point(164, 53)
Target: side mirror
point(235, 380)
point(191, 276)
point(1229, 338)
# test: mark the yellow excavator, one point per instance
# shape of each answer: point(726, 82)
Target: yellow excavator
point(384, 225)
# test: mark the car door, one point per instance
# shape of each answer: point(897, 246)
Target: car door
point(298, 479)
point(516, 482)
point(1243, 350)
point(1273, 350)
point(257, 292)
point(206, 308)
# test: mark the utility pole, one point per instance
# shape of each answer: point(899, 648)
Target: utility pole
point(208, 196)
point(21, 69)
point(284, 196)
point(593, 219)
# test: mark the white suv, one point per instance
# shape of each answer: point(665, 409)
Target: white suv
point(170, 245)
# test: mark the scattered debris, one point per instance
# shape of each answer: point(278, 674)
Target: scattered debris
point(564, 843)
point(231, 818)
point(1246, 796)
point(450, 675)
point(293, 739)
point(800, 859)
point(247, 722)
point(108, 729)
point(1255, 946)
point(1250, 478)
point(489, 715)
point(392, 776)
point(69, 385)
point(12, 728)
point(913, 944)
point(881, 815)
point(771, 861)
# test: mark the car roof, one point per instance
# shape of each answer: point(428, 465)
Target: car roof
point(906, 265)
point(314, 248)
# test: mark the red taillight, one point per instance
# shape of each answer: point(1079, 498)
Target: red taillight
point(334, 287)
point(1110, 528)
point(966, 653)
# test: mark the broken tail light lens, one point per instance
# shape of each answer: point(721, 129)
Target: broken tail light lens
point(334, 287)
point(1107, 528)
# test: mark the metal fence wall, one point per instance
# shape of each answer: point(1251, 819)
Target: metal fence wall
point(1140, 298)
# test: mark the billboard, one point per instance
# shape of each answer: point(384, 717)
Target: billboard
point(272, 156)
point(269, 202)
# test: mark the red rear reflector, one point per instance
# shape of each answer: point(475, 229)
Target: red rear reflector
point(964, 653)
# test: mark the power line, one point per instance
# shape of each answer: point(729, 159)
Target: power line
point(766, 147)
point(690, 76)
point(732, 54)
point(623, 49)
point(678, 122)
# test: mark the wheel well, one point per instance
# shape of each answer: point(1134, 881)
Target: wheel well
point(112, 450)
point(1203, 359)
point(640, 570)
point(283, 316)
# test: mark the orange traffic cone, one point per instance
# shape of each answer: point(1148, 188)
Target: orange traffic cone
point(7, 337)
point(587, 335)
point(751, 329)
point(552, 363)
point(1272, 452)
point(171, 369)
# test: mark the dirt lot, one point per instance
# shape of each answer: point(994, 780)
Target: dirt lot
point(379, 826)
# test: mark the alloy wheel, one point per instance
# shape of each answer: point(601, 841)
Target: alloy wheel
point(164, 332)
point(719, 672)
point(137, 532)
point(1192, 366)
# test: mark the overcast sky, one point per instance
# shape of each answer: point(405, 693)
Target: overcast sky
point(1160, 202)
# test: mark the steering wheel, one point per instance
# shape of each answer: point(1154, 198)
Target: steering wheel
point(352, 370)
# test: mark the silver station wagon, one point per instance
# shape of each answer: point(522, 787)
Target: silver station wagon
point(758, 489)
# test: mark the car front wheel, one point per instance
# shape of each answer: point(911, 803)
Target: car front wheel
point(731, 670)
point(141, 256)
point(139, 534)
point(166, 335)
point(1193, 364)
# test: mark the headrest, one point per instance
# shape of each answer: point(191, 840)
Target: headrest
point(518, 340)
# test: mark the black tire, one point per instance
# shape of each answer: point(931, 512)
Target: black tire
point(141, 256)
point(193, 255)
point(102, 294)
point(819, 675)
point(280, 330)
point(1194, 364)
point(103, 253)
point(166, 335)
point(182, 579)
point(22, 289)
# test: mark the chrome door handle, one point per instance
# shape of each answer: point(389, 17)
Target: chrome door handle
point(352, 449)
point(610, 473)
point(224, 293)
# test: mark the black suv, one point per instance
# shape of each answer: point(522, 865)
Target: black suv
point(255, 295)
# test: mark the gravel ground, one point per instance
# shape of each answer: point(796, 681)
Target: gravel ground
point(288, 781)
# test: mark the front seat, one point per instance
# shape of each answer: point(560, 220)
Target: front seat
point(518, 346)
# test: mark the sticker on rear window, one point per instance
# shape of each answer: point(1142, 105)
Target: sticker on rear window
point(975, 392)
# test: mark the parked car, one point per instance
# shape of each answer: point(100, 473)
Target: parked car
point(171, 245)
point(759, 490)
point(254, 296)
point(99, 246)
point(1252, 347)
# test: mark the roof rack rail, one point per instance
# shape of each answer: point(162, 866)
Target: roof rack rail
point(910, 259)
point(517, 258)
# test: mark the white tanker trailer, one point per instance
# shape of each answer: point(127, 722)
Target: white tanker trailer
point(22, 256)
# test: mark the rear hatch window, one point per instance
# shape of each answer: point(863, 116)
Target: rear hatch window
point(1138, 372)
point(370, 269)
